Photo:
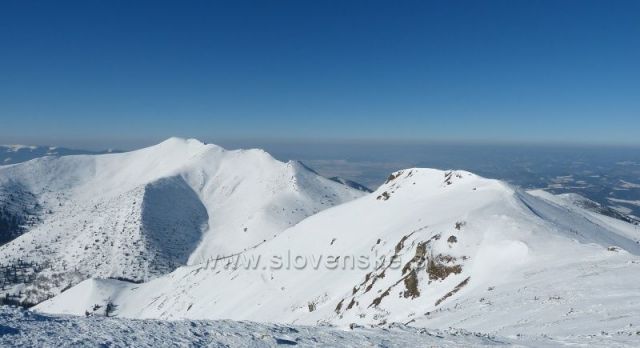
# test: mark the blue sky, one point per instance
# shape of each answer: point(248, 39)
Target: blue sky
point(113, 73)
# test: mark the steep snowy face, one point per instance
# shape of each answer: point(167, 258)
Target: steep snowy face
point(414, 251)
point(141, 214)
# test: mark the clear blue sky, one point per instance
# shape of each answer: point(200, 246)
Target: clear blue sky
point(115, 72)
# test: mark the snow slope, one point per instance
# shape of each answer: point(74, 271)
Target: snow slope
point(141, 214)
point(428, 248)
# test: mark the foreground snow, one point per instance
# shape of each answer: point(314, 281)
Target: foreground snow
point(23, 328)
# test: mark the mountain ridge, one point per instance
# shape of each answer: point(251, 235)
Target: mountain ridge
point(188, 230)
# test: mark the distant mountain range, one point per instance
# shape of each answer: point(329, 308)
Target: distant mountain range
point(12, 154)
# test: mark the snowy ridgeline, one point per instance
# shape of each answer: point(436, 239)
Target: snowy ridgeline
point(21, 328)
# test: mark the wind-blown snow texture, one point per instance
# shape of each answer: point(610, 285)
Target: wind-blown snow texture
point(141, 214)
point(22, 328)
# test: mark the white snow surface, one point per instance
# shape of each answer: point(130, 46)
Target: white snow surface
point(19, 328)
point(141, 214)
point(444, 249)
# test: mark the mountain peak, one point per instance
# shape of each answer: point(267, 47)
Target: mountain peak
point(139, 214)
point(427, 178)
point(185, 142)
point(179, 140)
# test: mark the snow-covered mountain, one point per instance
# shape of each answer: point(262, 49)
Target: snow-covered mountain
point(141, 214)
point(428, 248)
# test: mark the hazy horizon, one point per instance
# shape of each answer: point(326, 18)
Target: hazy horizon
point(283, 143)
